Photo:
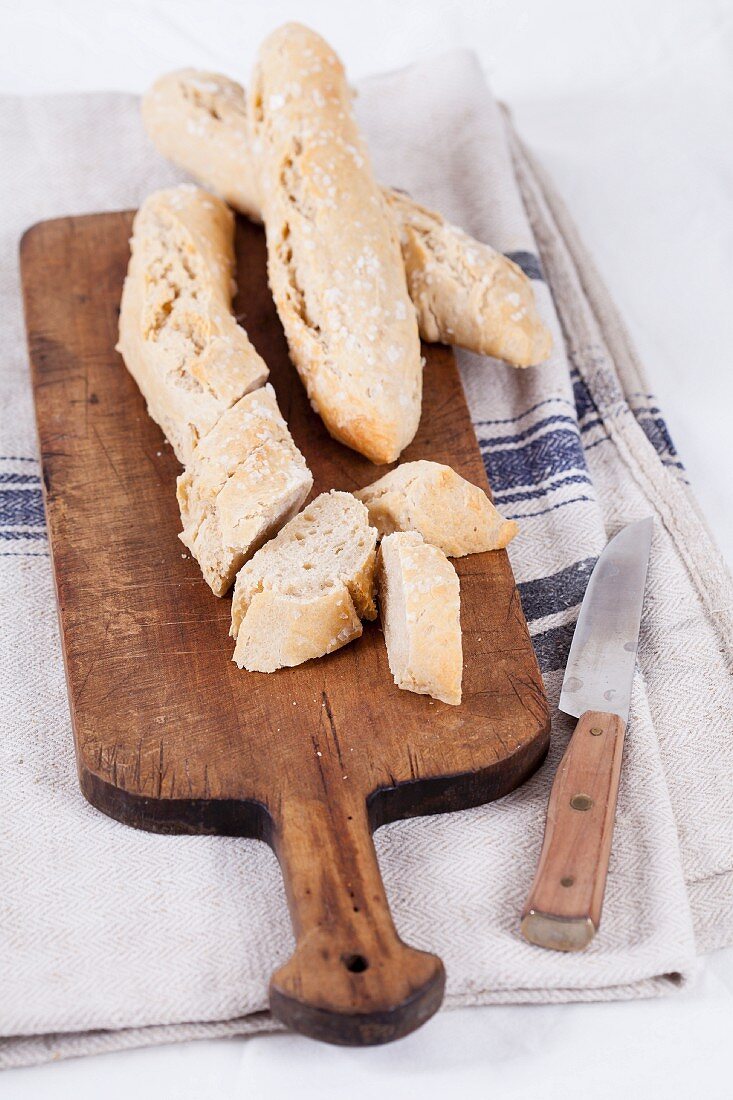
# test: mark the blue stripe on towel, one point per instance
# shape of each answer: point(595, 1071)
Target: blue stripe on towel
point(503, 440)
point(531, 409)
point(656, 431)
point(534, 494)
point(647, 414)
point(536, 461)
point(588, 425)
point(552, 647)
point(584, 403)
point(548, 595)
point(21, 506)
point(20, 479)
point(24, 554)
point(529, 263)
point(552, 508)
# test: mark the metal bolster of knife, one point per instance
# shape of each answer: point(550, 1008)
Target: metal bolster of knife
point(557, 933)
point(563, 910)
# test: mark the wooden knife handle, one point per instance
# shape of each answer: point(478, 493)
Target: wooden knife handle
point(351, 979)
point(563, 910)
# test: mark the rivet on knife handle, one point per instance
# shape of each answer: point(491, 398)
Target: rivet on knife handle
point(563, 910)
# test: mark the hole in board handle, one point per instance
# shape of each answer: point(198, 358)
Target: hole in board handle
point(355, 964)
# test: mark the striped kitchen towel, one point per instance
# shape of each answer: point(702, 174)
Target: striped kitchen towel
point(114, 938)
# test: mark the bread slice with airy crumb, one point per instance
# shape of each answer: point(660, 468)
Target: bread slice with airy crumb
point(448, 511)
point(245, 481)
point(419, 603)
point(178, 336)
point(303, 593)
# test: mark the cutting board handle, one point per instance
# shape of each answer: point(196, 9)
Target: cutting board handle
point(351, 979)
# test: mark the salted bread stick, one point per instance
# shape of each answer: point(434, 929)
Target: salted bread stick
point(464, 292)
point(334, 261)
point(177, 335)
point(198, 120)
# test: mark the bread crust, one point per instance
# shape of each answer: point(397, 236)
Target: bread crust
point(419, 603)
point(177, 334)
point(464, 292)
point(280, 631)
point(334, 261)
point(246, 479)
point(448, 511)
point(198, 120)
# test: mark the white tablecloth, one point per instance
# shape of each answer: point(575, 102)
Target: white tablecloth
point(623, 106)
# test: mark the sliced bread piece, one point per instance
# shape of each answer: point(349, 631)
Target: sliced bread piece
point(420, 607)
point(178, 336)
point(245, 480)
point(302, 593)
point(279, 631)
point(447, 510)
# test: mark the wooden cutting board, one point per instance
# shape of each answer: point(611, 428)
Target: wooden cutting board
point(171, 736)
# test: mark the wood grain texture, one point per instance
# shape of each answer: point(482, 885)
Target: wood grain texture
point(563, 910)
point(170, 736)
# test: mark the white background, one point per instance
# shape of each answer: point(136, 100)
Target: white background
point(629, 107)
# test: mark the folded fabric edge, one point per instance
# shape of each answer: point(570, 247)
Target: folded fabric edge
point(695, 544)
point(711, 898)
point(36, 1050)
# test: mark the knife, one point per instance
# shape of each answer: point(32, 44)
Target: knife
point(563, 910)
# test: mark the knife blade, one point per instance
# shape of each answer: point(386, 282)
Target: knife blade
point(563, 910)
